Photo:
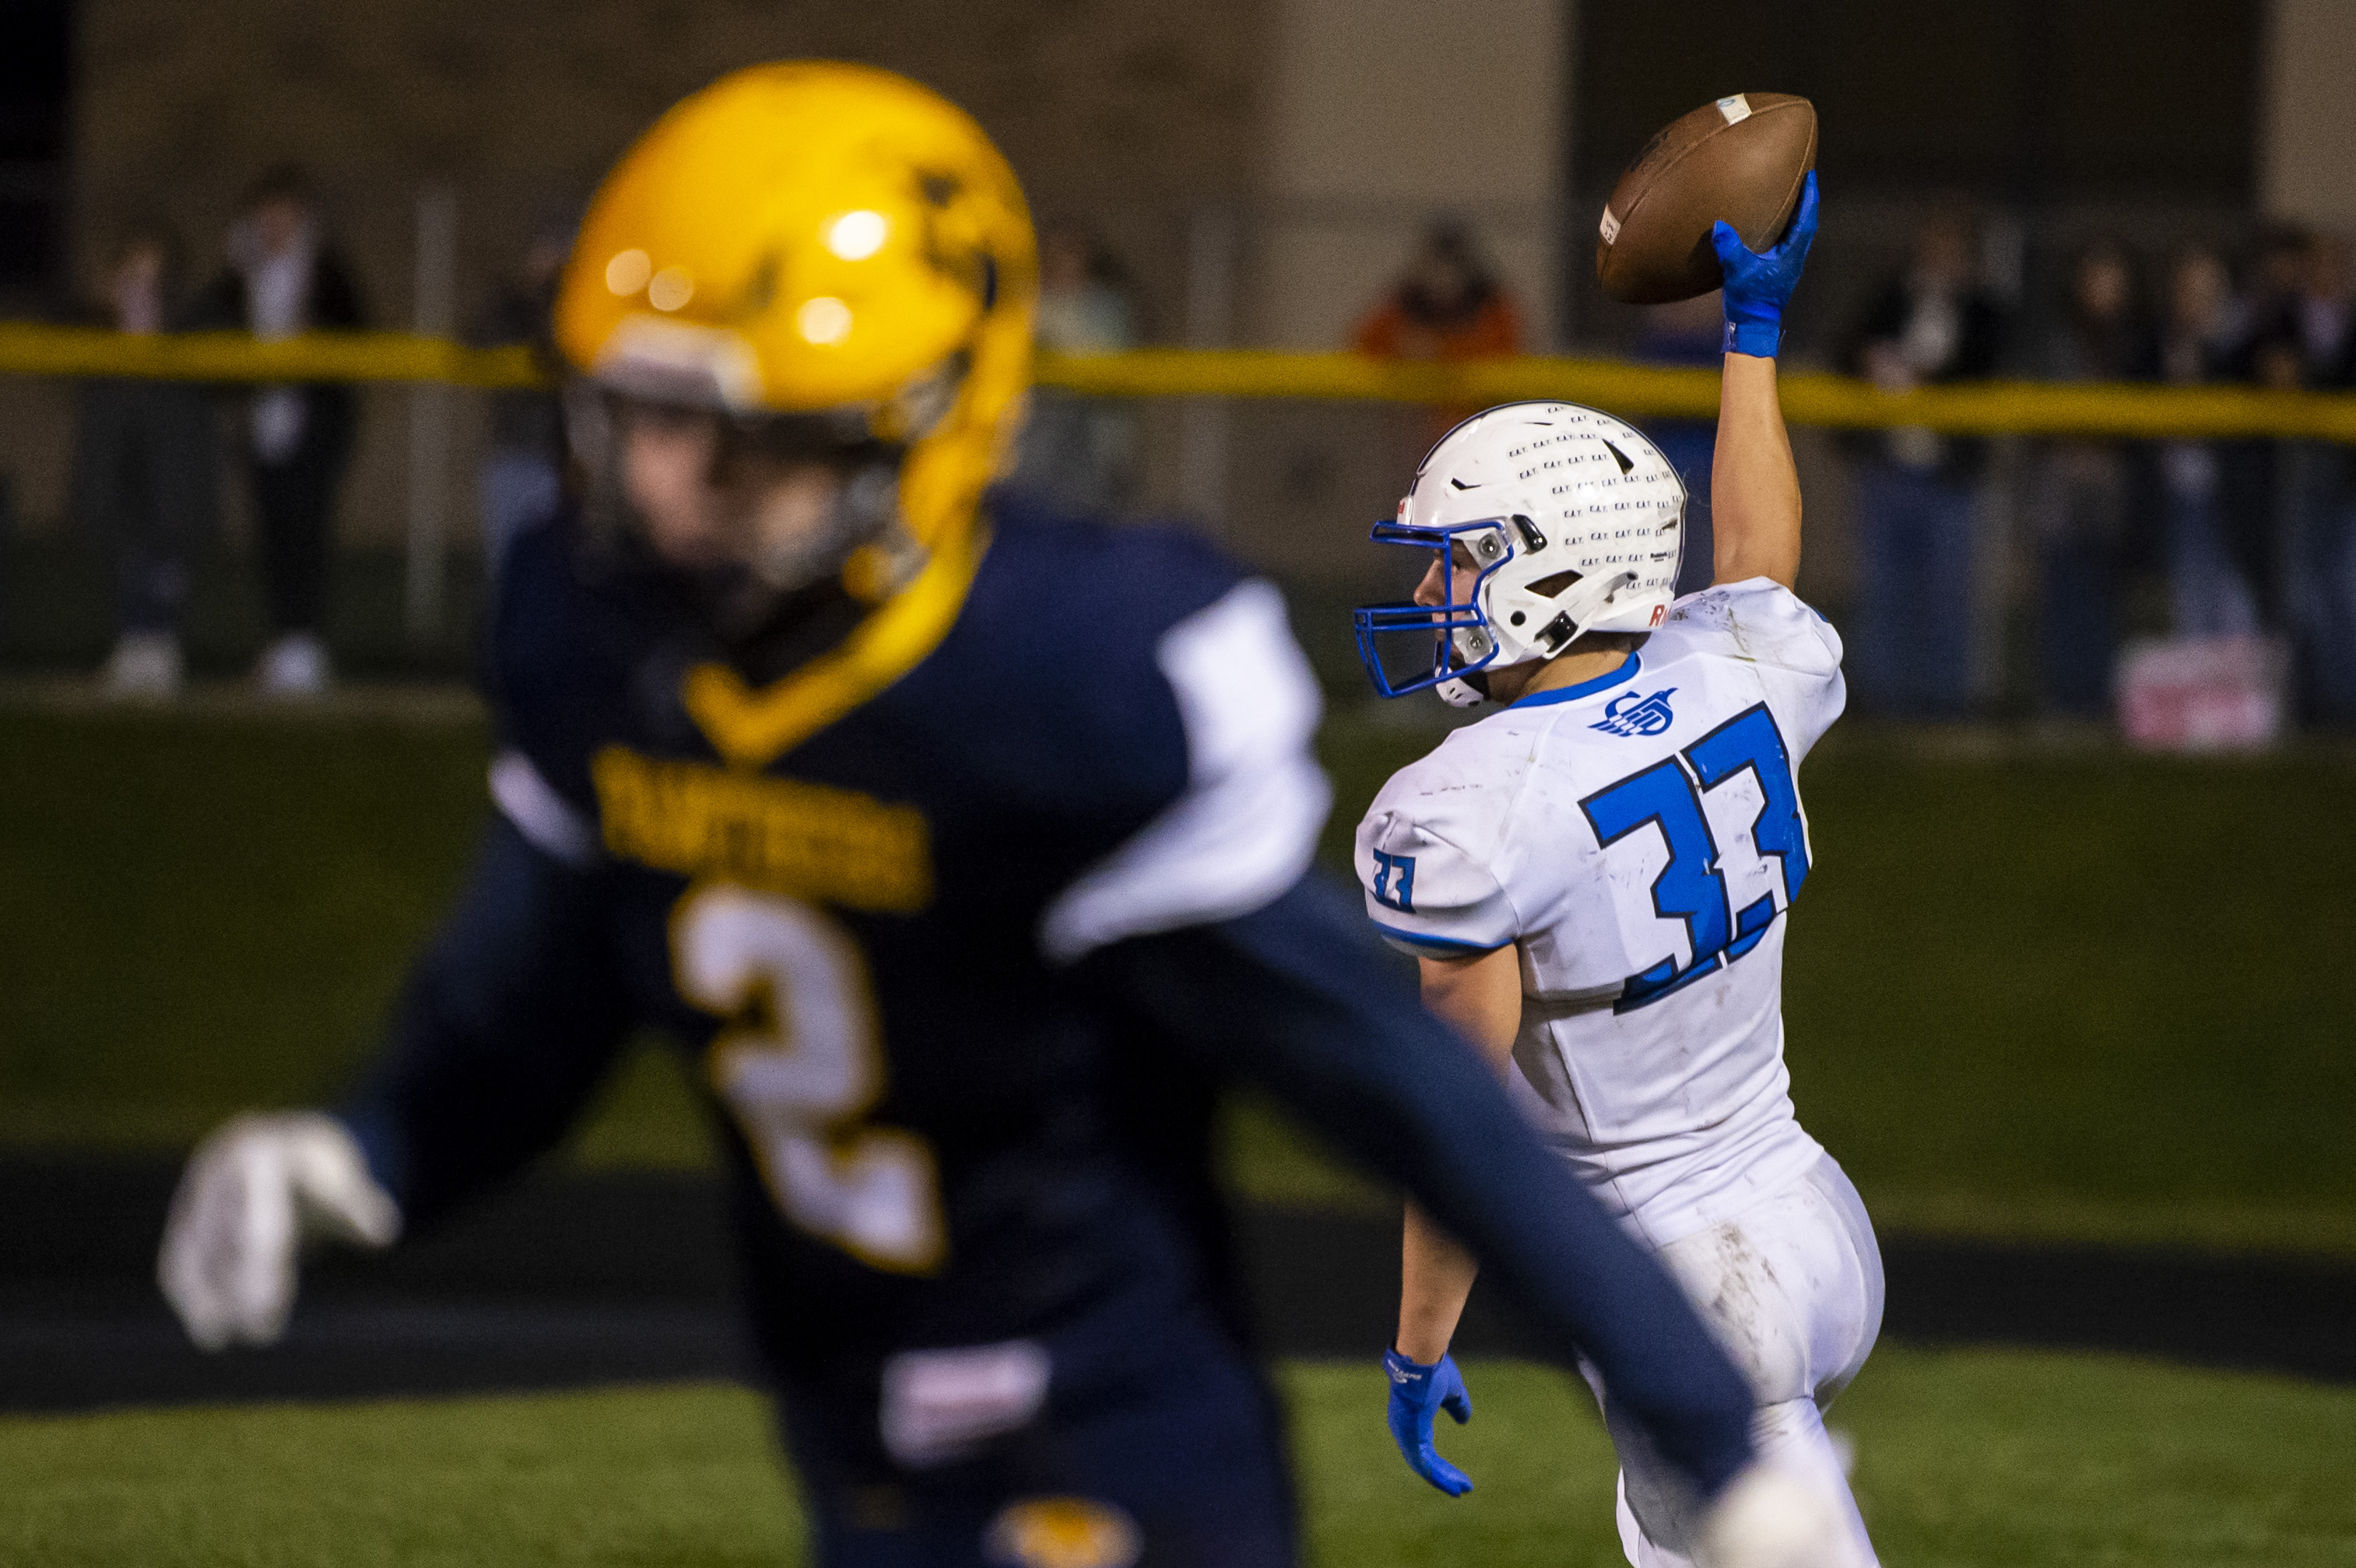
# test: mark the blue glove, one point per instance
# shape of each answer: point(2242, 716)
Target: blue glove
point(1416, 1391)
point(1758, 287)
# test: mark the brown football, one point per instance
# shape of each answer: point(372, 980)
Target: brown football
point(1740, 159)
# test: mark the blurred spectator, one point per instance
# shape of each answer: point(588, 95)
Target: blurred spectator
point(2080, 506)
point(145, 476)
point(284, 278)
point(1689, 333)
point(1083, 304)
point(1916, 490)
point(2261, 346)
point(2320, 587)
point(2210, 585)
point(522, 479)
point(2275, 273)
point(1448, 305)
point(1079, 454)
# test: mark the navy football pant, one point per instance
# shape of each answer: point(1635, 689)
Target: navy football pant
point(1185, 1466)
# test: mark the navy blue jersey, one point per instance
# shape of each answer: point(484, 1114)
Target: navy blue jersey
point(964, 923)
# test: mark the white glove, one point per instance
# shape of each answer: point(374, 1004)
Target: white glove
point(1771, 1517)
point(253, 1192)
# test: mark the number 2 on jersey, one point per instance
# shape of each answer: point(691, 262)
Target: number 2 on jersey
point(798, 1064)
point(1692, 886)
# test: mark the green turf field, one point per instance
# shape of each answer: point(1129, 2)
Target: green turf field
point(2074, 994)
point(1966, 1459)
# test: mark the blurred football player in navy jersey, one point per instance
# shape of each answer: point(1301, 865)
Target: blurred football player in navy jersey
point(966, 855)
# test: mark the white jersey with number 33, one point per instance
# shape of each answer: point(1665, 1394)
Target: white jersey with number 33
point(1640, 836)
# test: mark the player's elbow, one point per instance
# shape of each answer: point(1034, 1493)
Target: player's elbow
point(1780, 566)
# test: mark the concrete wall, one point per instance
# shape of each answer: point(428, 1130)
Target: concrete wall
point(2307, 145)
point(1383, 114)
point(179, 103)
point(1122, 114)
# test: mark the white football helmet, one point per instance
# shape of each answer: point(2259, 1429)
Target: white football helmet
point(1572, 522)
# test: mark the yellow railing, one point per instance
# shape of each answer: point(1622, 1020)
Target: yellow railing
point(1986, 407)
point(31, 350)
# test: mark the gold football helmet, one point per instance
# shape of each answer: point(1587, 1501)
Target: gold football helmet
point(827, 241)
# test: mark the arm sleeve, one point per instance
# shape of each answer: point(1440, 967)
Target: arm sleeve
point(508, 1022)
point(1296, 997)
point(1426, 896)
point(1244, 827)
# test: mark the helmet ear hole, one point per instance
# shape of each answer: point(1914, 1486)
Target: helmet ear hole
point(1547, 587)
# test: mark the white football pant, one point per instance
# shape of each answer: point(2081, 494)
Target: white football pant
point(1791, 1288)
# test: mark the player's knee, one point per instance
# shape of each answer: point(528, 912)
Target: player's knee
point(1659, 1501)
point(1792, 1433)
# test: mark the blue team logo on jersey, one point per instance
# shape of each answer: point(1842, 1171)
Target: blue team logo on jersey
point(1398, 893)
point(1628, 714)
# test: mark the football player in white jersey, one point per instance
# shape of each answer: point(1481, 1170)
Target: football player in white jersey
point(1594, 879)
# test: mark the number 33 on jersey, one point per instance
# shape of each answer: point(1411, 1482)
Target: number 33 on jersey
point(1671, 795)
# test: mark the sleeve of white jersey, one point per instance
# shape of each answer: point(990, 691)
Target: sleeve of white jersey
point(547, 821)
point(1245, 829)
point(1424, 891)
point(1795, 651)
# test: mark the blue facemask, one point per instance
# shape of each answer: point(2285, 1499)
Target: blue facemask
point(1427, 643)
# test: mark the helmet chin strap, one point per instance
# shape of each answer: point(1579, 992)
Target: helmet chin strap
point(1583, 601)
point(1466, 691)
point(1577, 606)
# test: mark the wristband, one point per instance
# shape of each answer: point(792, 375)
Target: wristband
point(1406, 1370)
point(1758, 338)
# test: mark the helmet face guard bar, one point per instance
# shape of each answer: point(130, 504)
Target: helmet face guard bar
point(1450, 639)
